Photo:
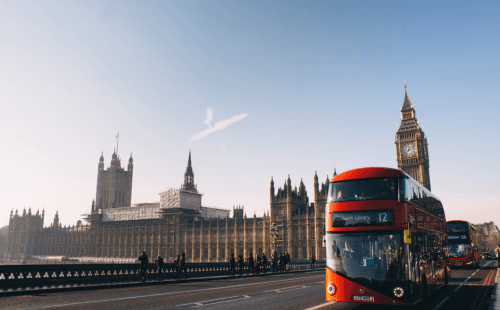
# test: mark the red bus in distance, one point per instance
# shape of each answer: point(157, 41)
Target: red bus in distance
point(462, 244)
point(385, 238)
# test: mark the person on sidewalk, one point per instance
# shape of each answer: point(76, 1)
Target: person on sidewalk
point(264, 262)
point(232, 264)
point(313, 262)
point(182, 266)
point(159, 266)
point(250, 264)
point(177, 262)
point(144, 265)
point(497, 254)
point(241, 264)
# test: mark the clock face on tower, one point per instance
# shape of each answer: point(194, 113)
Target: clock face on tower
point(408, 149)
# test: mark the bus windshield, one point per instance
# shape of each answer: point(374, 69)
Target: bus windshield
point(367, 256)
point(363, 189)
point(459, 249)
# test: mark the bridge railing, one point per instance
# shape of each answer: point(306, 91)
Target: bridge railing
point(45, 275)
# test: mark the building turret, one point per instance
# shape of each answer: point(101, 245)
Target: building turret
point(189, 177)
point(56, 220)
point(101, 162)
point(115, 161)
point(130, 167)
point(272, 189)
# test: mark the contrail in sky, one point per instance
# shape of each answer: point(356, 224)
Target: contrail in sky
point(218, 126)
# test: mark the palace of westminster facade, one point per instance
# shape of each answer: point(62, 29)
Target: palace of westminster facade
point(180, 224)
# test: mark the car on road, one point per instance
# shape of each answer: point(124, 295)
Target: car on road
point(486, 255)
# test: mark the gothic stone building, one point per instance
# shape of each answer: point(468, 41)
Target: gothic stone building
point(177, 224)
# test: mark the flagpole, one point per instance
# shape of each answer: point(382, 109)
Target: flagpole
point(117, 139)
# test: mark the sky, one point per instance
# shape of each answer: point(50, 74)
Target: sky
point(256, 89)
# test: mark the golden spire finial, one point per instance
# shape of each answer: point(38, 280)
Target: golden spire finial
point(405, 83)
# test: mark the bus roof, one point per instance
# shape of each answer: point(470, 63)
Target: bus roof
point(368, 173)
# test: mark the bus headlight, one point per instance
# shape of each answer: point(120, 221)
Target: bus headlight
point(398, 292)
point(331, 289)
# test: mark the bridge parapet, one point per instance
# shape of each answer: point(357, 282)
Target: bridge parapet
point(14, 277)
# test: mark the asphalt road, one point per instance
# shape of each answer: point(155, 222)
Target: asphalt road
point(469, 289)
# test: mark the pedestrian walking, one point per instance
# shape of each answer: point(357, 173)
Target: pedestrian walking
point(232, 264)
point(182, 266)
point(497, 254)
point(250, 264)
point(313, 262)
point(159, 266)
point(287, 261)
point(241, 264)
point(177, 261)
point(258, 262)
point(273, 263)
point(144, 265)
point(264, 262)
point(280, 262)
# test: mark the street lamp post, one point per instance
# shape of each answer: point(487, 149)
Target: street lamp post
point(274, 232)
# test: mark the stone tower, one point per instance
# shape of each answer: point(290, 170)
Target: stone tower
point(23, 237)
point(114, 185)
point(411, 145)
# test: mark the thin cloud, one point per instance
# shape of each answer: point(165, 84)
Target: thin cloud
point(210, 117)
point(218, 126)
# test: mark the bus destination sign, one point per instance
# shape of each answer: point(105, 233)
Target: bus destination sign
point(363, 218)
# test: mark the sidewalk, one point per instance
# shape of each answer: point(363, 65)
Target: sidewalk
point(495, 299)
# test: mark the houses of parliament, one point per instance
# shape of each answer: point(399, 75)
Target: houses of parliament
point(179, 223)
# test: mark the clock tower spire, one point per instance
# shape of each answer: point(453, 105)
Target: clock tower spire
point(411, 145)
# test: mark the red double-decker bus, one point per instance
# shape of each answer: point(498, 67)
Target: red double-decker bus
point(385, 239)
point(462, 244)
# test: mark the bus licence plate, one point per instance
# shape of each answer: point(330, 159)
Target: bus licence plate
point(364, 298)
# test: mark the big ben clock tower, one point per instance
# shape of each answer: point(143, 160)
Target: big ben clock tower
point(411, 145)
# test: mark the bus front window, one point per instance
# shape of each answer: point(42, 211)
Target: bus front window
point(366, 257)
point(363, 189)
point(459, 249)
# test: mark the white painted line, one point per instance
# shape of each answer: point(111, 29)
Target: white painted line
point(441, 303)
point(457, 288)
point(202, 304)
point(166, 294)
point(291, 288)
point(321, 306)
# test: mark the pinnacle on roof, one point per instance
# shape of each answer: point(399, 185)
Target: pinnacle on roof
point(407, 103)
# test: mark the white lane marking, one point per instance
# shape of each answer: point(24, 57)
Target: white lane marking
point(291, 288)
point(322, 282)
point(321, 306)
point(457, 288)
point(164, 294)
point(214, 303)
point(200, 303)
point(441, 303)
